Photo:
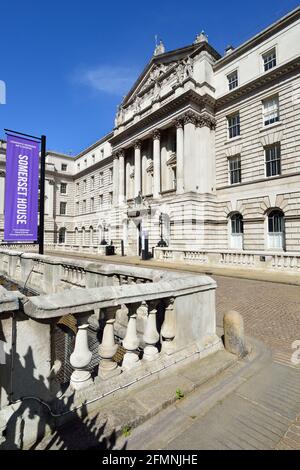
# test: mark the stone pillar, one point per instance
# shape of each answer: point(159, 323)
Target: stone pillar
point(151, 336)
point(156, 164)
point(131, 341)
point(205, 153)
point(80, 359)
point(168, 328)
point(121, 155)
point(107, 349)
point(234, 336)
point(2, 192)
point(49, 191)
point(179, 156)
point(116, 179)
point(137, 168)
point(190, 173)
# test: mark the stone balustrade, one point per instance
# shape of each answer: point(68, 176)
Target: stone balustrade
point(266, 260)
point(159, 317)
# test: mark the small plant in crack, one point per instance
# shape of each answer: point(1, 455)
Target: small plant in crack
point(126, 431)
point(179, 394)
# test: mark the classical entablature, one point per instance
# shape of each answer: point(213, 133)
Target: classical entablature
point(189, 103)
point(159, 81)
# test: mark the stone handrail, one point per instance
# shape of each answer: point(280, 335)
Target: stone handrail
point(269, 260)
point(177, 319)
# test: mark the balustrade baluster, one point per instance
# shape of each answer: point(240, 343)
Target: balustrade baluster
point(131, 341)
point(168, 328)
point(151, 336)
point(107, 349)
point(80, 359)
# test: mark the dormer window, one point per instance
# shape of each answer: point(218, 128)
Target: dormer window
point(269, 59)
point(233, 81)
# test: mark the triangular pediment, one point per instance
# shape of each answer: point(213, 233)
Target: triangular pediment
point(156, 69)
point(163, 72)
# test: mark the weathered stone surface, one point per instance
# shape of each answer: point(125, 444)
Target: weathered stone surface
point(234, 335)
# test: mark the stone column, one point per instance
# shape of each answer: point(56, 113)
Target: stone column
point(49, 190)
point(116, 179)
point(205, 153)
point(156, 164)
point(2, 195)
point(137, 168)
point(80, 359)
point(190, 164)
point(121, 155)
point(179, 156)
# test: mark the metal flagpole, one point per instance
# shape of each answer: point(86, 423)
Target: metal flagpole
point(42, 195)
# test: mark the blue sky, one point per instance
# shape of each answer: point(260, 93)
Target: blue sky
point(67, 63)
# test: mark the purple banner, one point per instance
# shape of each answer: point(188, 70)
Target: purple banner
point(21, 190)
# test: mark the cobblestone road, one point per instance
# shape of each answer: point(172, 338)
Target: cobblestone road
point(271, 312)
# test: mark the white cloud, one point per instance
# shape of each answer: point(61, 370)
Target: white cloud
point(115, 80)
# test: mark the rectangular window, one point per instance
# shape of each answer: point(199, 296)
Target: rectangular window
point(273, 164)
point(92, 204)
point(233, 80)
point(63, 188)
point(235, 171)
point(85, 162)
point(78, 166)
point(269, 59)
point(92, 182)
point(63, 208)
point(84, 206)
point(100, 201)
point(234, 126)
point(77, 189)
point(102, 154)
point(101, 181)
point(110, 175)
point(110, 199)
point(64, 167)
point(93, 159)
point(84, 186)
point(77, 208)
point(271, 110)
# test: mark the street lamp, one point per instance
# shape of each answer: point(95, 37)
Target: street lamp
point(162, 243)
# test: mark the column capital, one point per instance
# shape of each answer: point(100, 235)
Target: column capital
point(206, 120)
point(137, 144)
point(156, 134)
point(190, 118)
point(121, 153)
point(178, 123)
point(115, 155)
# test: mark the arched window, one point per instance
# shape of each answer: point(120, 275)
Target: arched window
point(83, 236)
point(237, 231)
point(62, 235)
point(76, 236)
point(276, 235)
point(91, 235)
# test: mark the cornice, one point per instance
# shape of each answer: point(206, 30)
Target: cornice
point(259, 38)
point(262, 80)
point(186, 98)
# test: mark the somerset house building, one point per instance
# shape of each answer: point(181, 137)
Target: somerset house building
point(204, 157)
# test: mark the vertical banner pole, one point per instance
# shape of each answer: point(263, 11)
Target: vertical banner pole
point(42, 194)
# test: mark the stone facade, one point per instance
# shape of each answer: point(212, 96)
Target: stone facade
point(210, 142)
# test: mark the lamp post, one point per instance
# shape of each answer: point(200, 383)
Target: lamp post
point(162, 243)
